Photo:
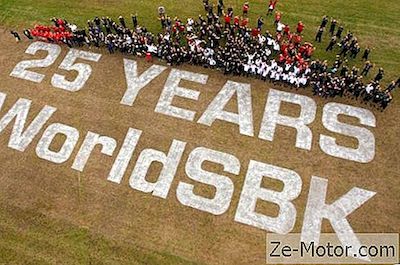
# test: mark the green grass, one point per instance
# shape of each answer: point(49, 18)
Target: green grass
point(28, 237)
point(376, 24)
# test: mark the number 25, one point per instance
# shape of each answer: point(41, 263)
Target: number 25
point(59, 81)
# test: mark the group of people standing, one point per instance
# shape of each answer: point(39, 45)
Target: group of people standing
point(339, 79)
point(224, 40)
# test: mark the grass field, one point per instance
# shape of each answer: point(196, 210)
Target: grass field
point(50, 214)
point(375, 24)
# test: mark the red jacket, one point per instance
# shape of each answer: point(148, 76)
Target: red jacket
point(255, 32)
point(281, 58)
point(297, 39)
point(300, 27)
point(244, 22)
point(286, 29)
point(60, 22)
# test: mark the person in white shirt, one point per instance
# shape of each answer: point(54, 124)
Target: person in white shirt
point(279, 27)
point(369, 88)
point(246, 69)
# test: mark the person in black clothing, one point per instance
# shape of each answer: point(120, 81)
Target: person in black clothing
point(168, 22)
point(333, 26)
point(110, 46)
point(379, 76)
point(398, 82)
point(318, 37)
point(221, 2)
point(354, 71)
point(338, 62)
point(331, 44)
point(104, 21)
point(206, 5)
point(366, 53)
point(97, 21)
point(122, 21)
point(161, 11)
point(339, 32)
point(354, 49)
point(344, 71)
point(324, 22)
point(220, 8)
point(16, 36)
point(211, 9)
point(230, 12)
point(90, 24)
point(27, 33)
point(367, 67)
point(134, 21)
point(386, 98)
point(345, 49)
point(107, 25)
point(260, 22)
point(391, 86)
point(55, 21)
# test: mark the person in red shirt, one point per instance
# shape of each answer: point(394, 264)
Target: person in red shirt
point(255, 32)
point(227, 19)
point(34, 33)
point(177, 23)
point(291, 47)
point(45, 34)
point(297, 39)
point(44, 28)
point(271, 6)
point(300, 27)
point(309, 49)
point(286, 30)
point(246, 8)
point(245, 22)
point(302, 49)
point(281, 58)
point(57, 37)
point(284, 48)
point(298, 57)
point(300, 60)
point(149, 58)
point(236, 21)
point(68, 35)
point(290, 37)
point(60, 22)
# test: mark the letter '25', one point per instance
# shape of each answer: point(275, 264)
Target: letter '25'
point(68, 64)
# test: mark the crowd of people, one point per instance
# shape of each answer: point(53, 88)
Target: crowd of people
point(224, 39)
